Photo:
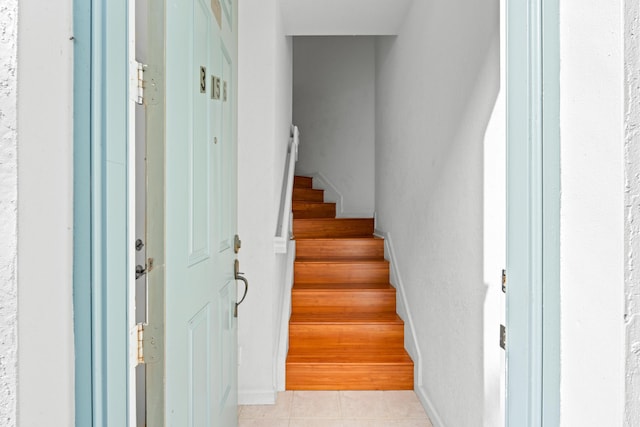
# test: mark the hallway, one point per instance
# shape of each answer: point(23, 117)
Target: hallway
point(337, 409)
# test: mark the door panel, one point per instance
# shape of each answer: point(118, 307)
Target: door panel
point(201, 330)
point(227, 342)
point(227, 5)
point(199, 368)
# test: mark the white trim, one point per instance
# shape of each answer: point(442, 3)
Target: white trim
point(431, 411)
point(411, 339)
point(333, 195)
point(131, 216)
point(285, 214)
point(282, 345)
point(257, 397)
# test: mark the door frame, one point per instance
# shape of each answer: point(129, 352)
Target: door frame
point(533, 214)
point(101, 212)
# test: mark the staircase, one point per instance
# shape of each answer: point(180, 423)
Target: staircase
point(344, 333)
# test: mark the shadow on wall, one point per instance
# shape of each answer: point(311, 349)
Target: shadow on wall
point(438, 149)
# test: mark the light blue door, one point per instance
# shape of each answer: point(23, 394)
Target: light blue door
point(201, 327)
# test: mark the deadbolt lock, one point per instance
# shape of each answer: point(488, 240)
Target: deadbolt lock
point(237, 243)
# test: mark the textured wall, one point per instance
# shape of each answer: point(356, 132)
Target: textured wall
point(592, 213)
point(264, 120)
point(8, 212)
point(437, 84)
point(632, 210)
point(45, 214)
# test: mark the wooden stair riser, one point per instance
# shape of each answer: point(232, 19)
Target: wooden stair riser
point(340, 248)
point(335, 227)
point(319, 301)
point(308, 194)
point(331, 337)
point(340, 376)
point(341, 272)
point(314, 210)
point(302, 182)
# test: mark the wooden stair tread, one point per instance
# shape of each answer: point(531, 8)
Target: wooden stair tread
point(343, 287)
point(309, 202)
point(344, 260)
point(367, 247)
point(342, 239)
point(308, 194)
point(324, 298)
point(341, 271)
point(332, 227)
point(399, 356)
point(329, 220)
point(302, 181)
point(345, 318)
point(303, 209)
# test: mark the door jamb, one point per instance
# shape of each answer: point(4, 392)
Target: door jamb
point(533, 214)
point(100, 211)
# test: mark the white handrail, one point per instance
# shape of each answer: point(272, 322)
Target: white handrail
point(284, 228)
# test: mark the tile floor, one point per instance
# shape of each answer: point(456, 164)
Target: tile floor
point(337, 409)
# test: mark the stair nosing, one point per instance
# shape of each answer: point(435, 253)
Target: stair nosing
point(332, 355)
point(332, 219)
point(347, 319)
point(346, 260)
point(385, 288)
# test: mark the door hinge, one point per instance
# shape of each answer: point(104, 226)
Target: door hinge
point(503, 337)
point(140, 343)
point(138, 83)
point(504, 281)
point(140, 271)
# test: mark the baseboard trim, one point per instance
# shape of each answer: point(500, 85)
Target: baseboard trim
point(331, 193)
point(433, 415)
point(257, 397)
point(411, 339)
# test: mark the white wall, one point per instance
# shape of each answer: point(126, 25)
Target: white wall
point(334, 107)
point(437, 86)
point(45, 220)
point(8, 212)
point(494, 240)
point(264, 118)
point(632, 209)
point(343, 17)
point(592, 213)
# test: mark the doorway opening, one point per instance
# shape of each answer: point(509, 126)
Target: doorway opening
point(409, 129)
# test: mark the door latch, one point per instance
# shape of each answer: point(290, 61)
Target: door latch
point(239, 276)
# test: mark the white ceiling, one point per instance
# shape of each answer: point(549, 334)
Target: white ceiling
point(343, 17)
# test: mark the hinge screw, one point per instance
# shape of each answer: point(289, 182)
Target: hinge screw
point(140, 271)
point(504, 281)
